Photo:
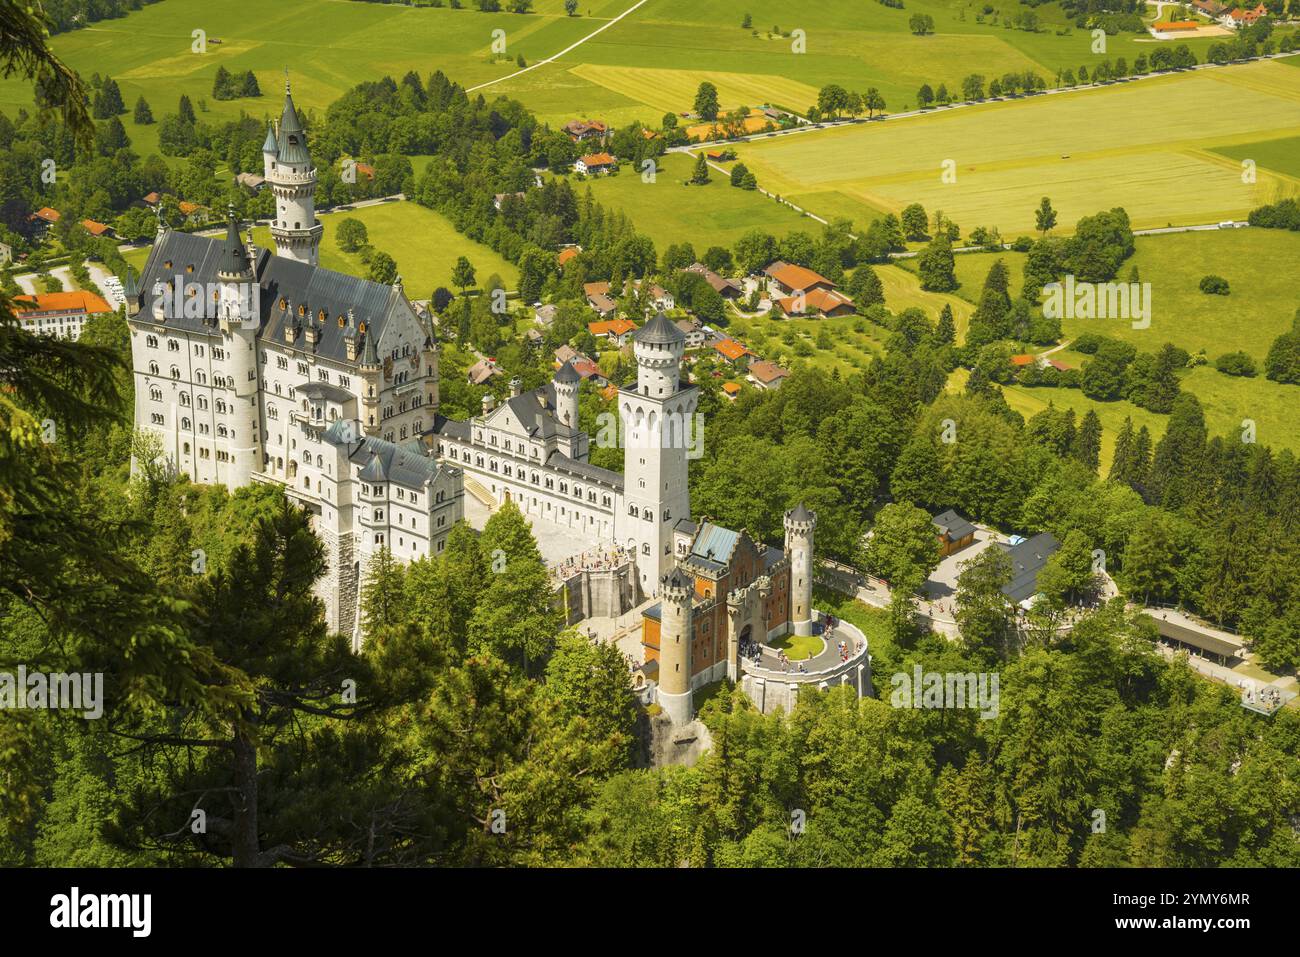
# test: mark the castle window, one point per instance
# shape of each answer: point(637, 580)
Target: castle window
point(185, 424)
point(645, 548)
point(155, 393)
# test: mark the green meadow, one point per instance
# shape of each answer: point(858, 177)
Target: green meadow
point(713, 215)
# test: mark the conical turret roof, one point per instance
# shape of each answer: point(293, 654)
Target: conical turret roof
point(659, 331)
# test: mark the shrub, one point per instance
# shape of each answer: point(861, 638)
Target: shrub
point(1235, 363)
point(1214, 285)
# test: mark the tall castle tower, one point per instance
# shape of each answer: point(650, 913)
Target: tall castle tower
point(238, 318)
point(565, 385)
point(658, 417)
point(676, 630)
point(292, 178)
point(799, 525)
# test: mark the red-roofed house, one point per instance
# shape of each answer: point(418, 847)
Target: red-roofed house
point(59, 314)
point(731, 390)
point(1024, 359)
point(617, 331)
point(790, 280)
point(593, 164)
point(737, 353)
point(96, 229)
point(817, 302)
point(566, 254)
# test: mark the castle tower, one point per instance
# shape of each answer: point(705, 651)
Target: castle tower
point(238, 318)
point(658, 419)
point(676, 631)
point(566, 394)
point(799, 525)
point(369, 367)
point(429, 356)
point(292, 177)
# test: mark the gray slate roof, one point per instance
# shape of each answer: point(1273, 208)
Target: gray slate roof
point(389, 462)
point(297, 283)
point(1027, 560)
point(659, 331)
point(953, 525)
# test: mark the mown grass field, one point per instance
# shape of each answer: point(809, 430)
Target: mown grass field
point(423, 265)
point(1142, 145)
point(713, 215)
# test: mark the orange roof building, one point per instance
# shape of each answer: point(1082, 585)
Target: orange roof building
point(817, 302)
point(594, 162)
point(566, 254)
point(59, 314)
point(96, 229)
point(613, 328)
point(1024, 359)
point(47, 214)
point(733, 351)
point(731, 388)
point(791, 279)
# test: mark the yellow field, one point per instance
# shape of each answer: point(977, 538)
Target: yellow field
point(674, 90)
point(1139, 145)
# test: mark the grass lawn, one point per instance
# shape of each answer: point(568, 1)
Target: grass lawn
point(799, 647)
point(1087, 150)
point(422, 241)
point(714, 215)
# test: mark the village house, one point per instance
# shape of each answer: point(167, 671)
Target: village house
point(545, 315)
point(595, 164)
point(767, 375)
point(736, 353)
point(731, 390)
point(724, 287)
point(482, 371)
point(500, 198)
point(816, 302)
point(194, 213)
point(693, 330)
point(599, 299)
point(96, 229)
point(250, 180)
point(788, 279)
point(617, 331)
point(40, 221)
point(566, 255)
point(582, 130)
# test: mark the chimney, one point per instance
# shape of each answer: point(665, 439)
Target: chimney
point(516, 387)
point(488, 403)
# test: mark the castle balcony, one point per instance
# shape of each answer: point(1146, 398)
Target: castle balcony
point(772, 685)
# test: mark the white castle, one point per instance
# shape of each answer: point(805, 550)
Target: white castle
point(259, 367)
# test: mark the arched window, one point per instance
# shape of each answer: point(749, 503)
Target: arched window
point(153, 368)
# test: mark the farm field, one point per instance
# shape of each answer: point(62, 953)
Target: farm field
point(423, 265)
point(329, 45)
point(714, 215)
point(1280, 155)
point(1087, 150)
point(645, 65)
